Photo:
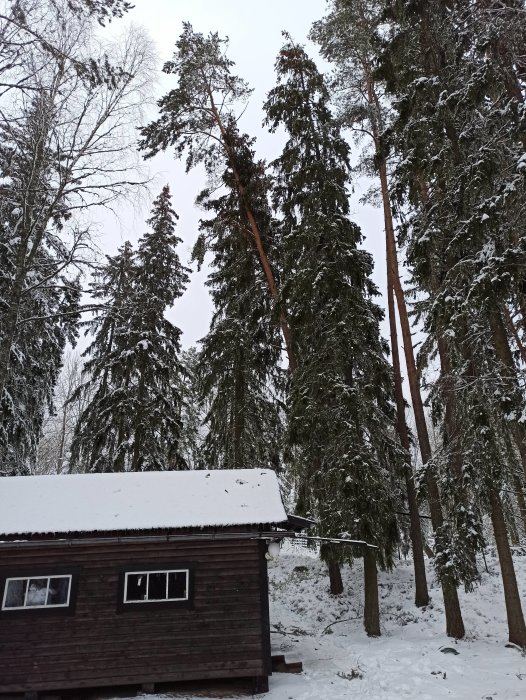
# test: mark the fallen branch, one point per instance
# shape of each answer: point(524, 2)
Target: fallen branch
point(347, 619)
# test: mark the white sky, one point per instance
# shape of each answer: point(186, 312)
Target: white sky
point(254, 30)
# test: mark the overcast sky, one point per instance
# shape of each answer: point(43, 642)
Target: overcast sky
point(254, 30)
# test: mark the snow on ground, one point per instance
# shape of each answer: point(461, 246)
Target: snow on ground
point(340, 662)
point(406, 662)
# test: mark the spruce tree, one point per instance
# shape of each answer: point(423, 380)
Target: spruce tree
point(339, 405)
point(347, 38)
point(101, 435)
point(133, 421)
point(155, 397)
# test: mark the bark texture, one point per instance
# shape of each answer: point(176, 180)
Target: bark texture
point(335, 577)
point(371, 611)
point(516, 626)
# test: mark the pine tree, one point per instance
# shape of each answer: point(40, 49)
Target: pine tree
point(239, 375)
point(198, 117)
point(458, 136)
point(339, 404)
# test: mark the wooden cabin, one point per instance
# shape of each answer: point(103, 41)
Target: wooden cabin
point(136, 578)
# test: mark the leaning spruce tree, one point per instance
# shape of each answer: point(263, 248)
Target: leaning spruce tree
point(239, 374)
point(339, 406)
point(196, 118)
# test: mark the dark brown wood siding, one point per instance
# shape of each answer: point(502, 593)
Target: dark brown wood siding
point(223, 634)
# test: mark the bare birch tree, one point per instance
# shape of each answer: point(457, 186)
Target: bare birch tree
point(66, 146)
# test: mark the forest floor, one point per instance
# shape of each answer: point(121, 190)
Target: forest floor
point(339, 661)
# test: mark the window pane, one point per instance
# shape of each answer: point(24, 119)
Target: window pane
point(157, 586)
point(37, 592)
point(177, 585)
point(58, 591)
point(136, 586)
point(16, 594)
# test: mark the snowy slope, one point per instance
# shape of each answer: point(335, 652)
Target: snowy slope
point(405, 662)
point(340, 662)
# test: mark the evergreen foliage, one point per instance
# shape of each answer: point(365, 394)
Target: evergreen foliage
point(156, 399)
point(239, 376)
point(339, 406)
point(101, 434)
point(347, 38)
point(133, 420)
point(459, 134)
point(198, 117)
point(39, 296)
point(193, 115)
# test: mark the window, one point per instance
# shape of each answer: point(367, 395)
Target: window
point(145, 588)
point(37, 592)
point(156, 586)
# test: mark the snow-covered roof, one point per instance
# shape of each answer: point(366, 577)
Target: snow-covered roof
point(138, 501)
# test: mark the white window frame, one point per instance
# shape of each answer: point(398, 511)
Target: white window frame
point(46, 606)
point(147, 574)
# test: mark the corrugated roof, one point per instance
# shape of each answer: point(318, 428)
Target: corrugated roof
point(138, 501)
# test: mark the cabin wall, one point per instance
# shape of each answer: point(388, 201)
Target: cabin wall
point(224, 633)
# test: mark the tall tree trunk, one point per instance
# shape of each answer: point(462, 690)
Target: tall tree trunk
point(335, 576)
point(454, 623)
point(415, 527)
point(393, 278)
point(502, 347)
point(371, 610)
point(516, 626)
point(521, 501)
